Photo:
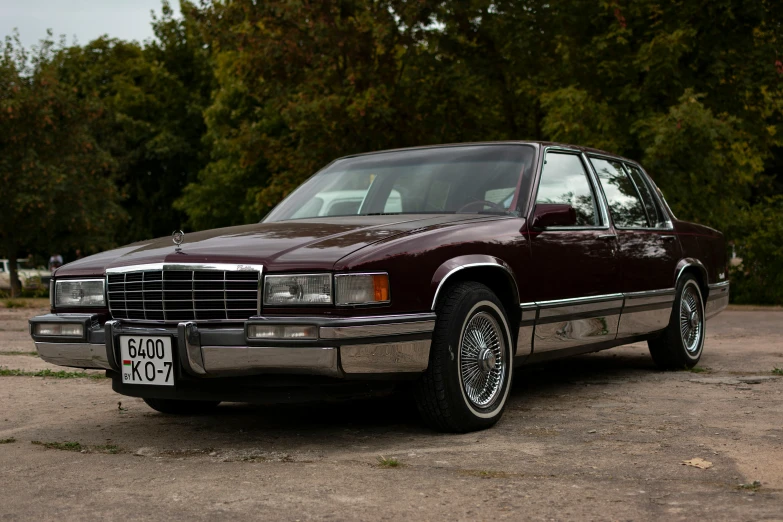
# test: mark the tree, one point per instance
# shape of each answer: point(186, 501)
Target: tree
point(57, 184)
point(154, 96)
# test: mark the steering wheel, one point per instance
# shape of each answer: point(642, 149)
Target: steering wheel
point(482, 202)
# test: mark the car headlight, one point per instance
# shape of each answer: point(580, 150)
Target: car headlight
point(354, 289)
point(84, 292)
point(297, 289)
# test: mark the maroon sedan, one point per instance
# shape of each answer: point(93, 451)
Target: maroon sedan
point(441, 267)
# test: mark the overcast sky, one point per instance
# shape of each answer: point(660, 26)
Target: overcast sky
point(83, 19)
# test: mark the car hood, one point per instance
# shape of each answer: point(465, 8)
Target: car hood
point(304, 244)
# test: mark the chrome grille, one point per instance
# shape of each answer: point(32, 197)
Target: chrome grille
point(183, 295)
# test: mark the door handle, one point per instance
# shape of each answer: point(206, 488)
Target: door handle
point(668, 237)
point(606, 237)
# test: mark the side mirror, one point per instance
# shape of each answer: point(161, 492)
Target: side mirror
point(553, 215)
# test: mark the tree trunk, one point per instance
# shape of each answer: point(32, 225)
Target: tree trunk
point(16, 286)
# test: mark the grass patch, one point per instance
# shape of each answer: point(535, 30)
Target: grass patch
point(31, 354)
point(484, 473)
point(10, 440)
point(64, 446)
point(752, 486)
point(110, 449)
point(699, 369)
point(16, 302)
point(60, 374)
point(391, 462)
point(777, 371)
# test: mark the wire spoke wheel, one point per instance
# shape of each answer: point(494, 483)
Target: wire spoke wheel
point(481, 352)
point(691, 323)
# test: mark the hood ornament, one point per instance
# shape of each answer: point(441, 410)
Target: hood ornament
point(178, 237)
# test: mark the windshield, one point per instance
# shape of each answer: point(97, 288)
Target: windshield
point(469, 179)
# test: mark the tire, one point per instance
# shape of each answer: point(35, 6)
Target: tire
point(680, 346)
point(182, 407)
point(469, 376)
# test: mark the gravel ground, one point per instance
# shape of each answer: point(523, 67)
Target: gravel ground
point(602, 436)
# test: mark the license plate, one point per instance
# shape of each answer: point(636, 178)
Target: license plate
point(147, 360)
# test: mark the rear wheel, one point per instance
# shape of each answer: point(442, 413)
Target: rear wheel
point(468, 379)
point(681, 344)
point(182, 407)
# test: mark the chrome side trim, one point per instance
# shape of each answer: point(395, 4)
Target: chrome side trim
point(76, 355)
point(238, 360)
point(402, 357)
point(237, 267)
point(470, 265)
point(723, 284)
point(688, 262)
point(528, 311)
point(375, 330)
point(579, 305)
point(654, 297)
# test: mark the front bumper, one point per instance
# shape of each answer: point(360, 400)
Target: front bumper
point(397, 344)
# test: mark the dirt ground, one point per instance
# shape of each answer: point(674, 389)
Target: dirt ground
point(599, 437)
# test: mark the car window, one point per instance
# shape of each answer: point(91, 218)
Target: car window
point(564, 180)
point(654, 212)
point(625, 205)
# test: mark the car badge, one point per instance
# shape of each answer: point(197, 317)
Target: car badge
point(178, 237)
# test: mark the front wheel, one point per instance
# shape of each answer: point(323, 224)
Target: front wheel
point(681, 344)
point(182, 407)
point(468, 379)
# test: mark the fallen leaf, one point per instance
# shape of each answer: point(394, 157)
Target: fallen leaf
point(698, 463)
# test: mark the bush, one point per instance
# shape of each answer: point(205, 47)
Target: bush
point(759, 243)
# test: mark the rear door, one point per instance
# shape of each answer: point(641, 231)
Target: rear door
point(648, 247)
point(574, 269)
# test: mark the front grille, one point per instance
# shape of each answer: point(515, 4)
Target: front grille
point(183, 295)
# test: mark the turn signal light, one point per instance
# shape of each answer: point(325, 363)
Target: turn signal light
point(282, 331)
point(59, 329)
point(358, 289)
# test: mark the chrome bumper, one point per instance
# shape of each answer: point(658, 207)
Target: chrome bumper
point(371, 345)
point(79, 355)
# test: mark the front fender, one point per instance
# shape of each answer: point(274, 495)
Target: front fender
point(456, 264)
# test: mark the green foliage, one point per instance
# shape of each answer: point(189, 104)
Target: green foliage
point(705, 164)
point(235, 103)
point(759, 244)
point(57, 181)
point(152, 120)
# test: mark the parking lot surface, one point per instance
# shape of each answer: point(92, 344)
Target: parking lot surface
point(601, 437)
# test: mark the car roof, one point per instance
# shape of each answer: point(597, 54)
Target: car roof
point(536, 144)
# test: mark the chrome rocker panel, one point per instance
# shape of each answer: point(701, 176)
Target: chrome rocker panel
point(550, 326)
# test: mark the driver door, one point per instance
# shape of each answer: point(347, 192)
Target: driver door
point(574, 268)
